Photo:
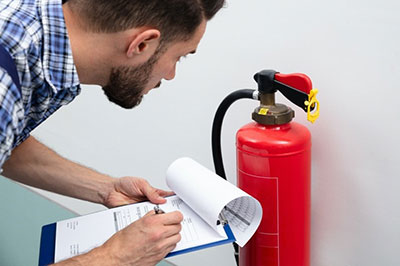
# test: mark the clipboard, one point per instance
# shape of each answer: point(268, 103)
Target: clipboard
point(48, 241)
point(47, 244)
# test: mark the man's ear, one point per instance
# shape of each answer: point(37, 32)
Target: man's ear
point(142, 41)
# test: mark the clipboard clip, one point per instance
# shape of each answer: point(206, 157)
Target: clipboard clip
point(222, 219)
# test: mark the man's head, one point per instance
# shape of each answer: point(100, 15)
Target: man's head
point(147, 39)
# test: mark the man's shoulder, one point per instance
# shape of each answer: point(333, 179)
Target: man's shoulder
point(23, 12)
point(19, 24)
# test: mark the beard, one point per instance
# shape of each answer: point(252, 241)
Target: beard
point(127, 84)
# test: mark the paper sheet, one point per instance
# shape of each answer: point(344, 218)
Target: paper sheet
point(209, 195)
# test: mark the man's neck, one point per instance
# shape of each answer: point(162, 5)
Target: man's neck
point(89, 53)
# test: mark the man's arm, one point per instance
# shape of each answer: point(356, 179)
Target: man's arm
point(33, 164)
point(144, 242)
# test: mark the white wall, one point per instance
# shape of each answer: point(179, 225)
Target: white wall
point(351, 51)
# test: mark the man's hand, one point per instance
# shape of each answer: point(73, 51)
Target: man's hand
point(144, 242)
point(127, 190)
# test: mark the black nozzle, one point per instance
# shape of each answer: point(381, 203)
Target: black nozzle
point(265, 80)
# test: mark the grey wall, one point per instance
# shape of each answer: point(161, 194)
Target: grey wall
point(350, 49)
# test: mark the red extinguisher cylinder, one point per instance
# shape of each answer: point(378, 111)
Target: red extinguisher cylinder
point(274, 166)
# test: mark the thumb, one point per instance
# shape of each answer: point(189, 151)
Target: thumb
point(152, 194)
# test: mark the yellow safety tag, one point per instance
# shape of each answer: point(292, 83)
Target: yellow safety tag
point(263, 111)
point(312, 102)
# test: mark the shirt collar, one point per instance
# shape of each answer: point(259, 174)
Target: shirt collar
point(58, 64)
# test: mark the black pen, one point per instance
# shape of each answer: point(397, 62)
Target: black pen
point(158, 210)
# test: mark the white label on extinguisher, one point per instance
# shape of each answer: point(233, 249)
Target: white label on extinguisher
point(266, 191)
point(270, 205)
point(269, 228)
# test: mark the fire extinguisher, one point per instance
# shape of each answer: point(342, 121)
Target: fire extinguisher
point(274, 166)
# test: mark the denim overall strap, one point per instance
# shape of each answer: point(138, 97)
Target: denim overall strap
point(8, 64)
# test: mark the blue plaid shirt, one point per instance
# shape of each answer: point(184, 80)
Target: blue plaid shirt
point(35, 35)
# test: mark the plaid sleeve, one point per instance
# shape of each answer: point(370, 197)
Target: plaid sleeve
point(11, 115)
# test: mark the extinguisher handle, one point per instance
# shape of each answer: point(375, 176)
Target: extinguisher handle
point(296, 87)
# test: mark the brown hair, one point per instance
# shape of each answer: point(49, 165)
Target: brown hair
point(177, 20)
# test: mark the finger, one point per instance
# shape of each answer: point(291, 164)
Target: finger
point(171, 218)
point(164, 193)
point(151, 193)
point(152, 212)
point(169, 249)
point(171, 230)
point(170, 243)
point(160, 199)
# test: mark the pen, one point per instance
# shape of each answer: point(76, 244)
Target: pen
point(158, 210)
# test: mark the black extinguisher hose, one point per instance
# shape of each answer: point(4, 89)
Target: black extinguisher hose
point(216, 135)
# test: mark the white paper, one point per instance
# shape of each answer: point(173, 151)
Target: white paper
point(81, 234)
point(209, 195)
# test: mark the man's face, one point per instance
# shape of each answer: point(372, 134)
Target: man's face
point(128, 84)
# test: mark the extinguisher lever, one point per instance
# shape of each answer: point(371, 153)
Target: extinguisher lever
point(295, 87)
point(294, 95)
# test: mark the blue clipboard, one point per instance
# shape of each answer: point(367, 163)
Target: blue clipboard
point(48, 242)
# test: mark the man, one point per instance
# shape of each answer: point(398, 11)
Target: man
point(127, 47)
